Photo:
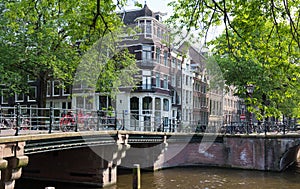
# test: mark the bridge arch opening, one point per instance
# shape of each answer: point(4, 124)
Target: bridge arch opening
point(289, 157)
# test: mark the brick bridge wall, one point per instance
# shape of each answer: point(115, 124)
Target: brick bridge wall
point(271, 153)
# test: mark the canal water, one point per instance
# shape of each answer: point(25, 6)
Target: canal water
point(193, 178)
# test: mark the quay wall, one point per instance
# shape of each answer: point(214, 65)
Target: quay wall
point(245, 152)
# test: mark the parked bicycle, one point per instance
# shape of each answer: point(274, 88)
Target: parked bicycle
point(67, 122)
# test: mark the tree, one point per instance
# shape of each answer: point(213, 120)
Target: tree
point(47, 38)
point(259, 46)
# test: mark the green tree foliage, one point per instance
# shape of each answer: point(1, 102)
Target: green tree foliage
point(259, 46)
point(47, 38)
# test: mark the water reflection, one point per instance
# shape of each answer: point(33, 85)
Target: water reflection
point(199, 177)
point(196, 177)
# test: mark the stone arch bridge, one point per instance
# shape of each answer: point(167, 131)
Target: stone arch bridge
point(93, 157)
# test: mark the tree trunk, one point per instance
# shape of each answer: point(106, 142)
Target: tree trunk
point(42, 92)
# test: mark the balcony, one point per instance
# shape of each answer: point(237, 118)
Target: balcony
point(145, 88)
point(146, 63)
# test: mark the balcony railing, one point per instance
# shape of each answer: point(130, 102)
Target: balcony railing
point(147, 62)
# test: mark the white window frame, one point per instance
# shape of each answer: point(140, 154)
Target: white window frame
point(17, 99)
point(166, 104)
point(2, 96)
point(53, 88)
point(157, 80)
point(166, 58)
point(65, 91)
point(173, 81)
point(166, 82)
point(35, 95)
point(48, 94)
point(30, 79)
point(146, 52)
point(158, 54)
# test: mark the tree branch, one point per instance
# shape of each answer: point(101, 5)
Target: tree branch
point(292, 24)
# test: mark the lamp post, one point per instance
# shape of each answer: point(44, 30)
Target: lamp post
point(250, 90)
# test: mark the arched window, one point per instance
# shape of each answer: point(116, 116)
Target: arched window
point(134, 107)
point(147, 105)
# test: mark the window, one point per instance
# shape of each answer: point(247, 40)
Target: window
point(147, 105)
point(158, 55)
point(191, 97)
point(66, 105)
point(173, 81)
point(31, 78)
point(165, 82)
point(67, 90)
point(89, 101)
point(148, 28)
point(146, 52)
point(4, 96)
point(173, 97)
point(204, 89)
point(55, 88)
point(48, 88)
point(32, 96)
point(154, 29)
point(19, 97)
point(146, 80)
point(166, 105)
point(157, 104)
point(178, 65)
point(134, 103)
point(134, 107)
point(166, 58)
point(174, 62)
point(157, 80)
point(79, 102)
point(104, 102)
point(158, 32)
point(187, 97)
point(178, 78)
point(187, 81)
point(142, 25)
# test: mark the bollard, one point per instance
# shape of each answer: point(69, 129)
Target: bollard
point(136, 182)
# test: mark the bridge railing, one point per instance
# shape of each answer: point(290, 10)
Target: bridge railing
point(32, 119)
point(20, 119)
point(258, 128)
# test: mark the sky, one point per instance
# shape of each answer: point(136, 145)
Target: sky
point(154, 5)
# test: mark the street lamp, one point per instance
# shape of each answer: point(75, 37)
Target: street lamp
point(250, 90)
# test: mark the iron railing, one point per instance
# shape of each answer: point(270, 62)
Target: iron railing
point(14, 120)
point(260, 128)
